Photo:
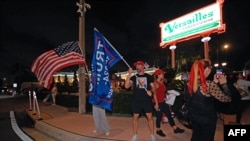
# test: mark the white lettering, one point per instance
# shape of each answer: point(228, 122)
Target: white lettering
point(235, 132)
point(243, 131)
point(231, 132)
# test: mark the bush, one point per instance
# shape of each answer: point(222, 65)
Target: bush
point(121, 102)
point(121, 105)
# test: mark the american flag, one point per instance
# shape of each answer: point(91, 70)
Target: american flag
point(48, 63)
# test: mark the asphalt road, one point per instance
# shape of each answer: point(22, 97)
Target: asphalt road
point(15, 124)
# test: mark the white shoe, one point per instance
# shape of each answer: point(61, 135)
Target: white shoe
point(95, 131)
point(153, 138)
point(134, 138)
point(107, 133)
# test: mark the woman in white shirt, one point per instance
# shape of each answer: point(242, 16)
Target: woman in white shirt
point(243, 84)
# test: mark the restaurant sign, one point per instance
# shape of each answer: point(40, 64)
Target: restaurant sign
point(193, 24)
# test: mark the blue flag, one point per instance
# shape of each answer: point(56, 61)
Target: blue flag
point(104, 57)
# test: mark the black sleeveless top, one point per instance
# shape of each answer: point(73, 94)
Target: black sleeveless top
point(202, 108)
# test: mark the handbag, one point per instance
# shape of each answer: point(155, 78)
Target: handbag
point(242, 92)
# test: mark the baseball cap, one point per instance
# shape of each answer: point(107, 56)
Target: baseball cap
point(159, 71)
point(139, 63)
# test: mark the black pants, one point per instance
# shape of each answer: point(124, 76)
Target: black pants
point(163, 108)
point(244, 105)
point(203, 132)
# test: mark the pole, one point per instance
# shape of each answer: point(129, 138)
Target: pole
point(172, 48)
point(34, 104)
point(37, 106)
point(30, 101)
point(117, 52)
point(206, 48)
point(82, 6)
point(217, 55)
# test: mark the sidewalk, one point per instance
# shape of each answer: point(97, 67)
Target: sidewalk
point(67, 125)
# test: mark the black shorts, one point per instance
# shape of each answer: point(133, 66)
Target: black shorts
point(138, 107)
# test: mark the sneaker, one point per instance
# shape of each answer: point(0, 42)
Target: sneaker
point(95, 131)
point(107, 133)
point(134, 138)
point(160, 133)
point(178, 130)
point(153, 138)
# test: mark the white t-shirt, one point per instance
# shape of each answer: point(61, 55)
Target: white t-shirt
point(244, 84)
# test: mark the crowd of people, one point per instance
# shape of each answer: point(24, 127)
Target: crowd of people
point(208, 99)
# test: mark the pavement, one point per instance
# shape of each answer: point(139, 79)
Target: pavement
point(66, 124)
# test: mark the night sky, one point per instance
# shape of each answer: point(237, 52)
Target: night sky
point(30, 28)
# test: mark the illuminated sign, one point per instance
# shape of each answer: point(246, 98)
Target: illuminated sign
point(193, 24)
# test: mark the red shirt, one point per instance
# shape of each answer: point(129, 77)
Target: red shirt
point(160, 92)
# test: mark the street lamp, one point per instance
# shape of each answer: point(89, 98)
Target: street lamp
point(219, 63)
point(225, 47)
point(224, 64)
point(216, 65)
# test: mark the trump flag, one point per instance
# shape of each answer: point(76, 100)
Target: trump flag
point(48, 63)
point(104, 57)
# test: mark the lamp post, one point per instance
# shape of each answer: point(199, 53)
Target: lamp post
point(225, 47)
point(82, 7)
point(218, 61)
point(172, 48)
point(206, 50)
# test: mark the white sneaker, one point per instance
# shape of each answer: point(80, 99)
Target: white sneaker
point(107, 133)
point(153, 138)
point(134, 138)
point(95, 131)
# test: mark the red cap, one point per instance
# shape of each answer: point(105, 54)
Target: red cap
point(159, 71)
point(139, 63)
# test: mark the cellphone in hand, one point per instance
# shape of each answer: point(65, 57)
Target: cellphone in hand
point(218, 73)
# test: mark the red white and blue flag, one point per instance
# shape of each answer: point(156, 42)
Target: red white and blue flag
point(104, 57)
point(50, 62)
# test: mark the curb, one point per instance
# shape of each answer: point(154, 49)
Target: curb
point(61, 134)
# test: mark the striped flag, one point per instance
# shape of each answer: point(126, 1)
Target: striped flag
point(48, 63)
point(104, 57)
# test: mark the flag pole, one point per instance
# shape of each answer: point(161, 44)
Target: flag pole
point(117, 53)
point(121, 57)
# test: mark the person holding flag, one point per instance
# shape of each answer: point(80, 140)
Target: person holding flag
point(143, 91)
point(100, 92)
